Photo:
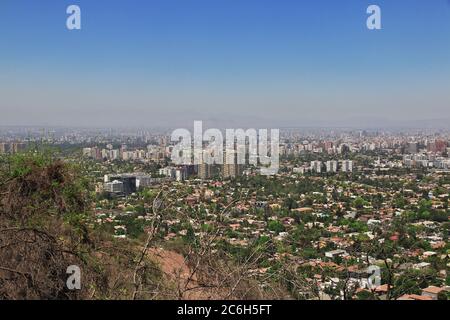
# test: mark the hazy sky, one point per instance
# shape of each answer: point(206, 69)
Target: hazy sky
point(247, 63)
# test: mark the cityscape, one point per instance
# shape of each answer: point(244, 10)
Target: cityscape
point(341, 202)
point(225, 158)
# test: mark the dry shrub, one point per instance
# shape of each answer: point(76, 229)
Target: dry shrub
point(44, 228)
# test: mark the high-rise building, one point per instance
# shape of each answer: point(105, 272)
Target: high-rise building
point(412, 147)
point(128, 181)
point(204, 171)
point(316, 166)
point(231, 168)
point(180, 174)
point(13, 147)
point(332, 166)
point(18, 147)
point(4, 148)
point(114, 154)
point(86, 152)
point(207, 171)
point(114, 186)
point(440, 146)
point(347, 166)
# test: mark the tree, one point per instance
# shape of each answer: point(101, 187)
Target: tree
point(275, 226)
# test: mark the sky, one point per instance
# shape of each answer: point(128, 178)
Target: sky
point(229, 63)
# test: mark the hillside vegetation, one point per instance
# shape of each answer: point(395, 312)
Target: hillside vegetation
point(45, 214)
